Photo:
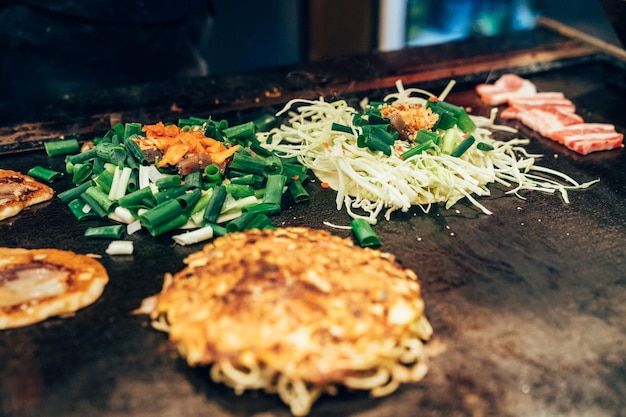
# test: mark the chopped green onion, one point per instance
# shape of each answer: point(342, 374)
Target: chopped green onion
point(138, 198)
point(376, 140)
point(218, 230)
point(174, 223)
point(213, 173)
point(246, 163)
point(214, 206)
point(91, 202)
point(239, 223)
point(258, 221)
point(295, 171)
point(193, 180)
point(264, 208)
point(364, 233)
point(247, 179)
point(273, 165)
point(463, 146)
point(484, 146)
point(297, 191)
point(168, 181)
point(274, 189)
point(81, 172)
point(228, 216)
point(169, 193)
point(423, 135)
point(111, 152)
point(80, 209)
point(122, 215)
point(82, 156)
point(161, 213)
point(120, 247)
point(239, 131)
point(61, 147)
point(264, 123)
point(131, 129)
point(73, 193)
point(417, 150)
point(45, 174)
point(449, 140)
point(134, 151)
point(100, 198)
point(195, 236)
point(109, 232)
point(465, 123)
point(120, 183)
point(341, 128)
point(104, 180)
point(446, 120)
point(197, 211)
point(239, 190)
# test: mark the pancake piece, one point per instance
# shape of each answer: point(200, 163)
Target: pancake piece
point(298, 312)
point(18, 191)
point(36, 284)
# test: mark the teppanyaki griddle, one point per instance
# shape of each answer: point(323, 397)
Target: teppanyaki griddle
point(529, 302)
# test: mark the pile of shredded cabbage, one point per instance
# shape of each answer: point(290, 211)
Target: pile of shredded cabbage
point(370, 182)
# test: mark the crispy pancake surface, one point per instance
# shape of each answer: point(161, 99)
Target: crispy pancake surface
point(18, 191)
point(296, 311)
point(36, 284)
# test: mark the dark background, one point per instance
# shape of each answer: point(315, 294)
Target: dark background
point(57, 49)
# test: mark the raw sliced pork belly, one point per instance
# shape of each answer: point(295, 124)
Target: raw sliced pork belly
point(505, 87)
point(545, 121)
point(543, 100)
point(549, 113)
point(585, 138)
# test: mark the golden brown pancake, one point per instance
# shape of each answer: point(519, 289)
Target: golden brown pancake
point(18, 191)
point(36, 284)
point(296, 311)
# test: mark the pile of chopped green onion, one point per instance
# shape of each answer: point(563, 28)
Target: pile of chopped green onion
point(456, 159)
point(113, 180)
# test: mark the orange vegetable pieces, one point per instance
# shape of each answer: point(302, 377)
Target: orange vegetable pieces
point(177, 144)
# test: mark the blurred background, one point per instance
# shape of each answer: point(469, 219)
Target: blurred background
point(54, 49)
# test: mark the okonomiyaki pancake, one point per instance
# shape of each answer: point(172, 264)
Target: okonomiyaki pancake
point(18, 191)
point(36, 284)
point(298, 312)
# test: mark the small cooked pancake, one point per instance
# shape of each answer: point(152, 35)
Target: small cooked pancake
point(36, 284)
point(298, 312)
point(18, 191)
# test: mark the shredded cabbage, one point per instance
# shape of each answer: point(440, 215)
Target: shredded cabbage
point(372, 182)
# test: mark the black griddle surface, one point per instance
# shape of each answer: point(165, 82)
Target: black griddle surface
point(529, 302)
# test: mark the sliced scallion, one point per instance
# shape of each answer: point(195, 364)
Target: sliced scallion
point(108, 232)
point(214, 206)
point(364, 233)
point(463, 146)
point(45, 174)
point(73, 193)
point(195, 236)
point(61, 147)
point(274, 189)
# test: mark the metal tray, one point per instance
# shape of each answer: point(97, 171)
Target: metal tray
point(528, 302)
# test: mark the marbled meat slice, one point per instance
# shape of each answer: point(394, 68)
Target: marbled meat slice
point(585, 138)
point(506, 87)
point(545, 121)
point(544, 101)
